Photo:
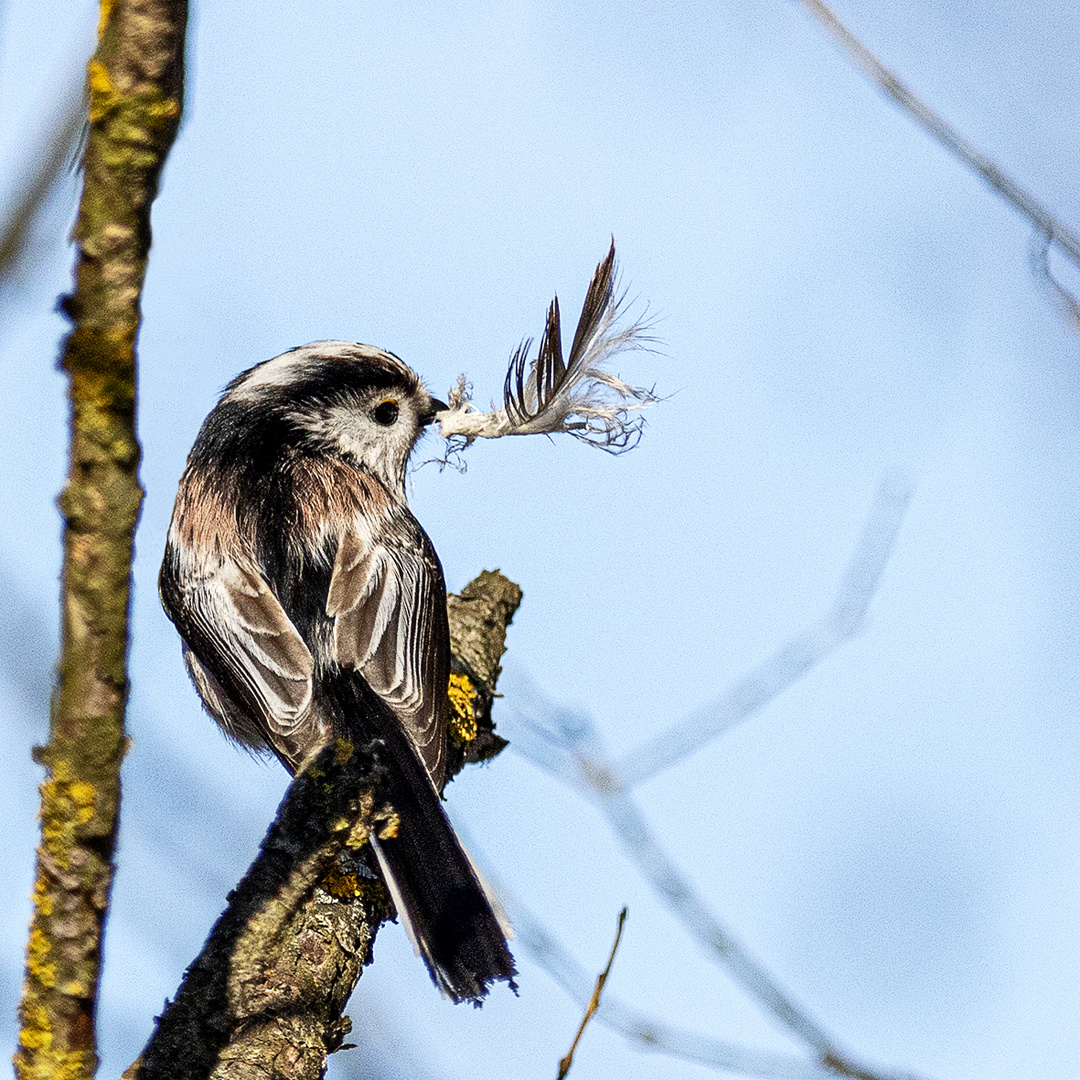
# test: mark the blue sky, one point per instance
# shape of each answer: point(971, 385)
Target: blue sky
point(895, 837)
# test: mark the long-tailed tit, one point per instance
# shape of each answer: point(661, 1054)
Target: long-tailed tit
point(311, 603)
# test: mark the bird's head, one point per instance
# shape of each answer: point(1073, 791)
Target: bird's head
point(340, 398)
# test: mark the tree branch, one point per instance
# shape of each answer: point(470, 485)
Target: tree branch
point(266, 995)
point(567, 1061)
point(645, 1031)
point(1049, 226)
point(136, 89)
point(570, 747)
point(798, 655)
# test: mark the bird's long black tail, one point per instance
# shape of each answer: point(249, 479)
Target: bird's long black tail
point(440, 898)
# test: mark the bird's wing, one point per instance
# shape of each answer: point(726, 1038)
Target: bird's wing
point(239, 632)
point(387, 600)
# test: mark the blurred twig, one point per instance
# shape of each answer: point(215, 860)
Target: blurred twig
point(594, 1000)
point(795, 657)
point(645, 1031)
point(1062, 299)
point(570, 746)
point(26, 643)
point(594, 775)
point(1045, 222)
point(47, 166)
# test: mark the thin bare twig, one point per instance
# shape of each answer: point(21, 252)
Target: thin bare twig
point(594, 1001)
point(645, 1031)
point(936, 126)
point(596, 778)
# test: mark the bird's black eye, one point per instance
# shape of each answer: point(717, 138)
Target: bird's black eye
point(385, 413)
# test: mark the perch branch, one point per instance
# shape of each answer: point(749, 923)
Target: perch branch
point(266, 995)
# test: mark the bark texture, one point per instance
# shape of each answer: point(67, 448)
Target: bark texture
point(266, 996)
point(136, 90)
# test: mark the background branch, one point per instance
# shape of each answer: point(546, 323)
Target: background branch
point(266, 995)
point(570, 746)
point(645, 1031)
point(795, 657)
point(935, 125)
point(48, 167)
point(136, 91)
point(599, 780)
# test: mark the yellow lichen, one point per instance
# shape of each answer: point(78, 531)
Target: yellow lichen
point(358, 836)
point(36, 950)
point(56, 1065)
point(389, 825)
point(36, 1032)
point(342, 885)
point(462, 696)
point(164, 110)
point(82, 794)
point(42, 898)
point(66, 803)
point(104, 95)
point(353, 886)
point(39, 943)
point(103, 17)
point(35, 1039)
point(343, 750)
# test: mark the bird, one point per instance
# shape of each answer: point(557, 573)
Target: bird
point(311, 604)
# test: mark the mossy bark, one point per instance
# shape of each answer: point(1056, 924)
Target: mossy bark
point(136, 89)
point(266, 996)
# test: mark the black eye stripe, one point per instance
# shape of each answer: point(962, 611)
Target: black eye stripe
point(385, 413)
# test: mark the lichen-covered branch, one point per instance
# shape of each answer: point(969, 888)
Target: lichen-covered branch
point(266, 996)
point(136, 90)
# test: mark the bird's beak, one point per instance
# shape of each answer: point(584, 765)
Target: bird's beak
point(433, 410)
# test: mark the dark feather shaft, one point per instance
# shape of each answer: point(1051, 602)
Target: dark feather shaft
point(525, 398)
point(597, 300)
point(550, 369)
point(516, 371)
